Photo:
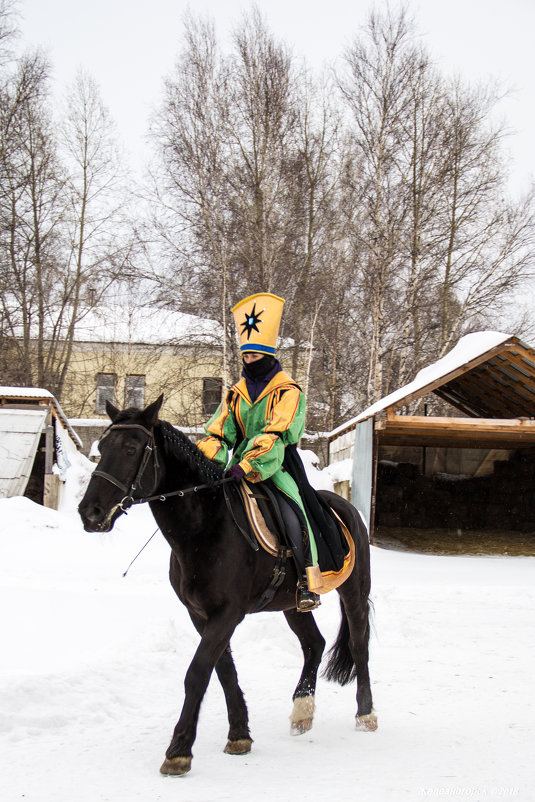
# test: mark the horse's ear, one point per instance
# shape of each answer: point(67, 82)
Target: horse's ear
point(150, 413)
point(112, 411)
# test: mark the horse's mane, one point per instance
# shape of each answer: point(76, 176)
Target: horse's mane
point(177, 445)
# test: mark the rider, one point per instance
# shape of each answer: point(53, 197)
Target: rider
point(261, 419)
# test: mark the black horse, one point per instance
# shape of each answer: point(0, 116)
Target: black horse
point(218, 576)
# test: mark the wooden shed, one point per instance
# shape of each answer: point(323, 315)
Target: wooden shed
point(32, 431)
point(474, 470)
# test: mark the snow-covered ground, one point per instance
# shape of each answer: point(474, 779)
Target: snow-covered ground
point(92, 667)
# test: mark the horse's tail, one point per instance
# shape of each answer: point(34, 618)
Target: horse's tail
point(341, 666)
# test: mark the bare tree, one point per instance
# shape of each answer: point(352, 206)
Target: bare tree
point(61, 231)
point(32, 207)
point(487, 239)
point(381, 219)
point(101, 243)
point(437, 246)
point(223, 135)
point(421, 152)
point(376, 87)
point(312, 201)
point(261, 123)
point(192, 217)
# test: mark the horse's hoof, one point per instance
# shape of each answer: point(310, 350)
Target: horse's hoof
point(302, 715)
point(240, 747)
point(175, 766)
point(367, 723)
point(300, 727)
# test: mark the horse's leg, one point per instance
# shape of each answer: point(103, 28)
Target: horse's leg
point(216, 635)
point(354, 606)
point(239, 739)
point(312, 644)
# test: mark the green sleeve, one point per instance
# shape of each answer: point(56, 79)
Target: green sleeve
point(263, 454)
point(221, 431)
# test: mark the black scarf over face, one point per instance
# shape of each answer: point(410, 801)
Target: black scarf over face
point(258, 374)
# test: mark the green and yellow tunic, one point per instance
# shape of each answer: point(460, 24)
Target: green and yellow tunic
point(257, 434)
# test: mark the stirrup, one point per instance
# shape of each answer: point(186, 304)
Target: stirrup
point(305, 599)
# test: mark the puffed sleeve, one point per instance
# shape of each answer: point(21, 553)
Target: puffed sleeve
point(285, 423)
point(221, 432)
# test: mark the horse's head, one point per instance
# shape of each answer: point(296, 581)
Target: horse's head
point(128, 466)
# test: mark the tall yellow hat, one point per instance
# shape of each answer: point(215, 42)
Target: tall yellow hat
point(257, 320)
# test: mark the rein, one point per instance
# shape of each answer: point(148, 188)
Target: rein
point(179, 493)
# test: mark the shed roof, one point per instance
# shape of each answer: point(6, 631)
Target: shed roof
point(488, 374)
point(10, 395)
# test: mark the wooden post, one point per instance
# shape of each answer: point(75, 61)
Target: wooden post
point(50, 487)
point(375, 456)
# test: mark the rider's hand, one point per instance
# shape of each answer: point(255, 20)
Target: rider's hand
point(235, 472)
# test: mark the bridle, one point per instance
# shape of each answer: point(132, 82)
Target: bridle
point(150, 449)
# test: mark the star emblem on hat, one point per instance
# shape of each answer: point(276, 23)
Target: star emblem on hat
point(250, 322)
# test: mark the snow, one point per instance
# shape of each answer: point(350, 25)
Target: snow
point(321, 480)
point(74, 470)
point(145, 324)
point(91, 677)
point(40, 394)
point(341, 471)
point(469, 347)
point(24, 392)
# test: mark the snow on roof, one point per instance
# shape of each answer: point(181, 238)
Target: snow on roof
point(468, 348)
point(145, 324)
point(148, 325)
point(39, 393)
point(24, 392)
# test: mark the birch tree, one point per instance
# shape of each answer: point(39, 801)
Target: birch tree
point(315, 186)
point(223, 136)
point(192, 216)
point(375, 87)
point(101, 245)
point(61, 231)
point(261, 123)
point(32, 209)
point(488, 238)
point(438, 246)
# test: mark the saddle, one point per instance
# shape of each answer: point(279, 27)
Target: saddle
point(266, 523)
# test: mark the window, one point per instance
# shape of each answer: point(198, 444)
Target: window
point(105, 391)
point(135, 391)
point(211, 395)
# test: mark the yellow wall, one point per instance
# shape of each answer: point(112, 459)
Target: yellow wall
point(178, 372)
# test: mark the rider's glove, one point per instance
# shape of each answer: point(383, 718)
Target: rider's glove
point(235, 472)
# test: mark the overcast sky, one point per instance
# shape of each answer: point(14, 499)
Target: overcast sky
point(130, 45)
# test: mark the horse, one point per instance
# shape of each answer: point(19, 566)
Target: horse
point(219, 577)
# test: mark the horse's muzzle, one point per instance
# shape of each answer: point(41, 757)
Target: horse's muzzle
point(95, 518)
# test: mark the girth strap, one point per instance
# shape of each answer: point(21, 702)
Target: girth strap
point(277, 578)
